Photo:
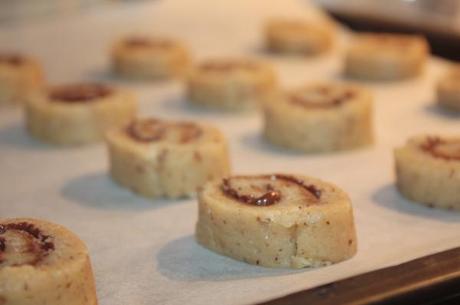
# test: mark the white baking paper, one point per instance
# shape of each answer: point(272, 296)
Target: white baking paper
point(143, 251)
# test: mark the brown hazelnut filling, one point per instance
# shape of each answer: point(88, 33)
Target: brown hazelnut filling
point(151, 130)
point(226, 66)
point(141, 42)
point(263, 191)
point(23, 244)
point(79, 93)
point(441, 148)
point(11, 59)
point(321, 97)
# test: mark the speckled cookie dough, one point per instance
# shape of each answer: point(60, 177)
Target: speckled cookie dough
point(158, 158)
point(428, 171)
point(78, 114)
point(20, 76)
point(276, 220)
point(142, 57)
point(320, 118)
point(230, 84)
point(376, 56)
point(43, 263)
point(297, 36)
point(448, 89)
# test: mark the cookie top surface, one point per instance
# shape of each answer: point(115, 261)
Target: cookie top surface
point(154, 131)
point(31, 242)
point(324, 96)
point(443, 148)
point(273, 193)
point(375, 43)
point(79, 93)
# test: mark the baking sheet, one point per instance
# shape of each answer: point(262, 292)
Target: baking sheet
point(143, 252)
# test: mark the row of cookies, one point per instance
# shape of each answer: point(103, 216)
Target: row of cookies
point(274, 220)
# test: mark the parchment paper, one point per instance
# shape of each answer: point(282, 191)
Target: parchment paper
point(143, 252)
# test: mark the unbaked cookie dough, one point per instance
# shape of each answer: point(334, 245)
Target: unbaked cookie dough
point(448, 89)
point(20, 76)
point(428, 171)
point(376, 56)
point(158, 158)
point(276, 220)
point(295, 36)
point(43, 263)
point(230, 84)
point(320, 118)
point(78, 114)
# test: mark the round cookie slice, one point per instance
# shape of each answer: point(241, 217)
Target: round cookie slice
point(150, 58)
point(158, 158)
point(276, 220)
point(320, 118)
point(428, 171)
point(377, 56)
point(448, 89)
point(20, 76)
point(230, 84)
point(292, 36)
point(43, 263)
point(78, 114)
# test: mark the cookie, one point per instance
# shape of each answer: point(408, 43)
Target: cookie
point(375, 56)
point(448, 90)
point(78, 114)
point(230, 84)
point(158, 158)
point(20, 76)
point(150, 58)
point(428, 171)
point(43, 263)
point(320, 118)
point(276, 220)
point(294, 36)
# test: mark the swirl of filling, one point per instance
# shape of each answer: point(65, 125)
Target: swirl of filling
point(23, 244)
point(262, 191)
point(321, 96)
point(151, 130)
point(143, 42)
point(79, 93)
point(442, 148)
point(12, 59)
point(228, 65)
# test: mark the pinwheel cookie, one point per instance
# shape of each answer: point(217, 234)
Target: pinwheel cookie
point(20, 76)
point(43, 263)
point(158, 158)
point(298, 36)
point(386, 56)
point(78, 113)
point(320, 118)
point(448, 89)
point(230, 84)
point(428, 171)
point(150, 58)
point(276, 220)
